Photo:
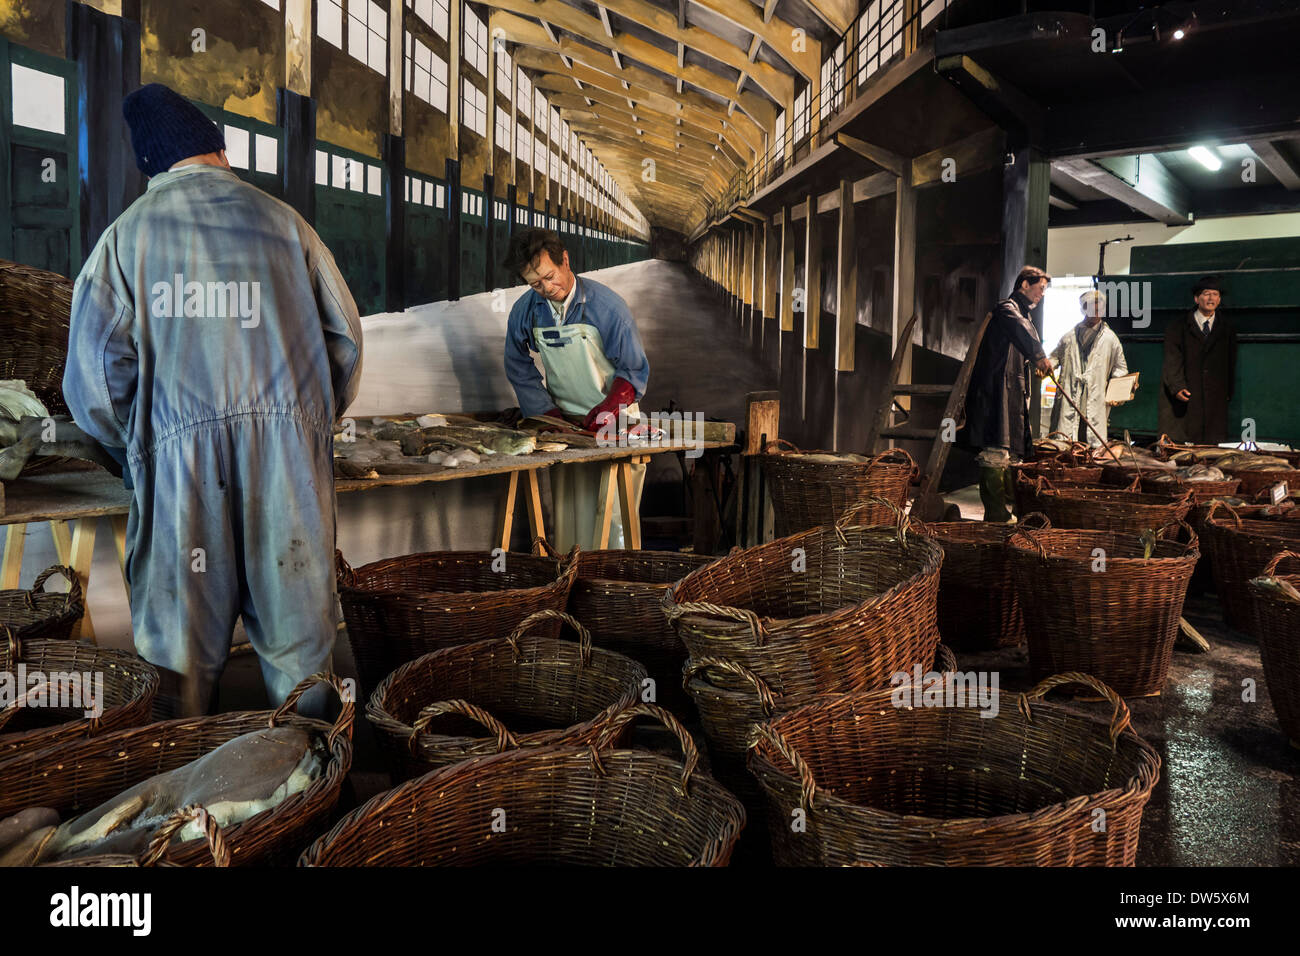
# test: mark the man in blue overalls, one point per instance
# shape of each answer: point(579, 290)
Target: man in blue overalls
point(214, 339)
point(589, 348)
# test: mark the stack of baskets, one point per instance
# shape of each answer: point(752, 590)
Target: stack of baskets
point(400, 608)
point(589, 805)
point(547, 690)
point(43, 614)
point(809, 491)
point(1105, 603)
point(79, 775)
point(823, 611)
point(69, 673)
point(617, 595)
point(1238, 548)
point(878, 783)
point(1275, 622)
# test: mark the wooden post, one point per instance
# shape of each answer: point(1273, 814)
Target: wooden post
point(756, 272)
point(846, 299)
point(787, 269)
point(904, 270)
point(812, 276)
point(754, 516)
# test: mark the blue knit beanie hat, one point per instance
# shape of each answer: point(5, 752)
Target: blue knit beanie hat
point(166, 128)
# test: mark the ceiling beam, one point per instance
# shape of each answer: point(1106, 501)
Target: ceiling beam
point(1147, 185)
point(642, 83)
point(1276, 162)
point(776, 84)
point(836, 14)
point(773, 31)
point(604, 21)
point(884, 158)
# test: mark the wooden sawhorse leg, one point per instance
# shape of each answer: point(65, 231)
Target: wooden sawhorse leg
point(76, 551)
point(619, 483)
point(536, 524)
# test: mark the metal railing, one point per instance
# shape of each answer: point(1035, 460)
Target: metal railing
point(874, 39)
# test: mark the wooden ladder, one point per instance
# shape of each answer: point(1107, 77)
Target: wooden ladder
point(928, 506)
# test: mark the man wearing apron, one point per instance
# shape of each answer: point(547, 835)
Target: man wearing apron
point(594, 363)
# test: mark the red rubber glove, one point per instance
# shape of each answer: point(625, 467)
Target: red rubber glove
point(621, 393)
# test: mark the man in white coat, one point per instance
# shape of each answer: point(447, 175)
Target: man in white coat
point(1087, 358)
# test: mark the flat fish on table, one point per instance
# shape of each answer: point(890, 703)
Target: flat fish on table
point(241, 778)
point(363, 450)
point(488, 439)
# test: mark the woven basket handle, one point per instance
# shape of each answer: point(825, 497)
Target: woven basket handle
point(1192, 540)
point(1271, 569)
point(1045, 523)
point(162, 838)
point(621, 719)
point(900, 517)
point(945, 661)
point(74, 584)
point(505, 739)
point(544, 548)
point(12, 644)
point(1136, 484)
point(343, 571)
point(346, 716)
point(777, 443)
point(1028, 533)
point(743, 615)
point(550, 614)
point(765, 697)
point(807, 785)
point(896, 455)
point(1216, 504)
point(1119, 719)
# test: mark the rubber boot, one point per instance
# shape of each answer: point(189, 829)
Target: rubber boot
point(993, 493)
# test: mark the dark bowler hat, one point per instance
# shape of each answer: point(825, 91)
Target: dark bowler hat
point(1207, 282)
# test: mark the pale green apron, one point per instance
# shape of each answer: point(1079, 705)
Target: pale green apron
point(578, 376)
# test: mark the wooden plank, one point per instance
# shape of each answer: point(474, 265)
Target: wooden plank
point(787, 270)
point(846, 300)
point(762, 420)
point(904, 277)
point(976, 153)
point(812, 278)
point(536, 523)
point(605, 518)
point(508, 518)
point(119, 545)
point(886, 159)
point(630, 516)
point(11, 569)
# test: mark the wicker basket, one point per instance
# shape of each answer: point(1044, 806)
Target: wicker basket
point(1256, 482)
point(568, 691)
point(950, 786)
point(1028, 485)
point(79, 775)
point(550, 805)
point(1101, 509)
point(157, 849)
point(43, 614)
point(130, 684)
point(1238, 548)
point(809, 494)
point(1275, 621)
point(831, 609)
point(1058, 472)
point(979, 604)
point(1202, 491)
point(399, 609)
point(729, 716)
point(1116, 620)
point(35, 307)
point(618, 596)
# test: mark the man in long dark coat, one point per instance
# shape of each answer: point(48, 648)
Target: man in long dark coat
point(1200, 370)
point(997, 401)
